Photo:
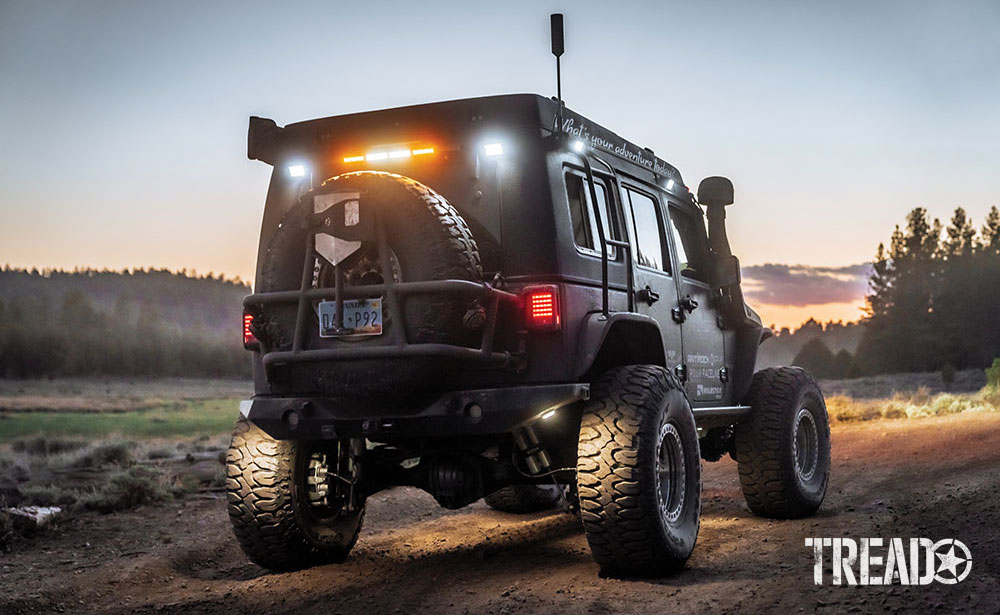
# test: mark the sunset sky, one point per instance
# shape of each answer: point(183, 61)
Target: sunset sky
point(123, 124)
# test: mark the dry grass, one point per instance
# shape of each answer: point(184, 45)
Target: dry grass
point(918, 404)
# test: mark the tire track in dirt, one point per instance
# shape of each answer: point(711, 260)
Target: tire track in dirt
point(936, 477)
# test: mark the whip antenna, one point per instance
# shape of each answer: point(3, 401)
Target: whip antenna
point(558, 47)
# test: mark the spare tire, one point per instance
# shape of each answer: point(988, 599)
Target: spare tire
point(428, 240)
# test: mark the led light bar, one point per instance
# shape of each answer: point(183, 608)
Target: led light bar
point(396, 154)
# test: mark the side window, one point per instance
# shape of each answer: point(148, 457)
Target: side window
point(647, 227)
point(690, 241)
point(581, 213)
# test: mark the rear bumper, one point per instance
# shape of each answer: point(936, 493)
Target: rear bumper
point(458, 413)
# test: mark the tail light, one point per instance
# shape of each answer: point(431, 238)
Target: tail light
point(541, 308)
point(249, 339)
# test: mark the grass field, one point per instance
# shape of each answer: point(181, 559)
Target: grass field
point(135, 409)
point(177, 419)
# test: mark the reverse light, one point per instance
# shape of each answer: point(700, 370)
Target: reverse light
point(297, 170)
point(548, 414)
point(249, 339)
point(493, 149)
point(541, 308)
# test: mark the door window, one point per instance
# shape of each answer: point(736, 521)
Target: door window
point(648, 230)
point(691, 244)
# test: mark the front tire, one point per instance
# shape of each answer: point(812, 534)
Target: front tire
point(639, 472)
point(783, 449)
point(279, 502)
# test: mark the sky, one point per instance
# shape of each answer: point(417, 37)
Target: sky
point(123, 124)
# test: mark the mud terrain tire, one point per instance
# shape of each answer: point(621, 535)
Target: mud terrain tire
point(783, 448)
point(520, 499)
point(267, 508)
point(639, 472)
point(430, 241)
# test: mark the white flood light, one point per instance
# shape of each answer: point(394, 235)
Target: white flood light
point(548, 414)
point(297, 170)
point(493, 149)
point(670, 185)
point(577, 146)
point(376, 156)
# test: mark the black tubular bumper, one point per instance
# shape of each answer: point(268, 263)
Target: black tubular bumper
point(458, 413)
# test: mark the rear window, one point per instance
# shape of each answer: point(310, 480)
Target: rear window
point(581, 213)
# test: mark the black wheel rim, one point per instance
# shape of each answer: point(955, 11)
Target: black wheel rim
point(805, 445)
point(670, 473)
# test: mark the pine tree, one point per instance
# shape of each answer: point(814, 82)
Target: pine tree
point(991, 231)
point(961, 236)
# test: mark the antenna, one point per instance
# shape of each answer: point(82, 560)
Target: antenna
point(558, 47)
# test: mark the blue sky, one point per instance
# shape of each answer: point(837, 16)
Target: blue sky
point(123, 124)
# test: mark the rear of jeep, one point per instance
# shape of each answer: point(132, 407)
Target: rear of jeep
point(460, 298)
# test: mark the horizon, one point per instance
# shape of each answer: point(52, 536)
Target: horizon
point(125, 148)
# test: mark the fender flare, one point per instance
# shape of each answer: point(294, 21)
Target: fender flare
point(595, 329)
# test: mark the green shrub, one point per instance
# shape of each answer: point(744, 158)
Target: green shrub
point(49, 495)
point(110, 453)
point(133, 487)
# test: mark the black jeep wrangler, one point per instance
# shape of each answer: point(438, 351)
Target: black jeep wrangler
point(497, 297)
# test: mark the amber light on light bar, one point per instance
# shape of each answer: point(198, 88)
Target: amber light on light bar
point(395, 154)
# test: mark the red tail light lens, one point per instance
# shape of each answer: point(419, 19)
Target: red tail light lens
point(541, 308)
point(249, 339)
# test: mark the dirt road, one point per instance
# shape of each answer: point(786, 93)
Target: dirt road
point(935, 478)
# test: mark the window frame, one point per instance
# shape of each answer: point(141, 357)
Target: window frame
point(613, 221)
point(666, 253)
point(670, 209)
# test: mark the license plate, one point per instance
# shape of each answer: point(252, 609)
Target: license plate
point(361, 317)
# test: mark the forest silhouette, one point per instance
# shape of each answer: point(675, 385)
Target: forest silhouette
point(933, 304)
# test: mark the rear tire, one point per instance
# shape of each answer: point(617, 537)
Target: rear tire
point(267, 486)
point(783, 448)
point(639, 472)
point(520, 499)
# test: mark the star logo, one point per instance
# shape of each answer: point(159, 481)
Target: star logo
point(951, 560)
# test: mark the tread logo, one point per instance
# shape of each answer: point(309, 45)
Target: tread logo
point(913, 561)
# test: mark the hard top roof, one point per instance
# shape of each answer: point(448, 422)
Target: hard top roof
point(517, 111)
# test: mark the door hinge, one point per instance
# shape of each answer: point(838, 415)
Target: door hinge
point(681, 371)
point(648, 295)
point(724, 374)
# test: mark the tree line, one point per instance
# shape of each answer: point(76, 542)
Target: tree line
point(933, 302)
point(128, 323)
